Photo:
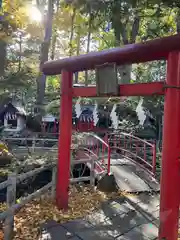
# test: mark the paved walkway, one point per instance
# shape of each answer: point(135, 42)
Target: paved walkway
point(131, 177)
point(128, 217)
point(131, 217)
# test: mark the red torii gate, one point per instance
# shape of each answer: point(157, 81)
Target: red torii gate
point(167, 48)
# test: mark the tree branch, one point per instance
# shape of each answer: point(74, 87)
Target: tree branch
point(123, 33)
point(135, 29)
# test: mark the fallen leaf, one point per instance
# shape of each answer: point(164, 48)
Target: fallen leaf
point(81, 203)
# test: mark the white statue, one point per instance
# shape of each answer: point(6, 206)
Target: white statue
point(140, 112)
point(95, 115)
point(78, 107)
point(114, 117)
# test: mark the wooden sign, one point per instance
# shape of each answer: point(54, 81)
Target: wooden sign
point(106, 80)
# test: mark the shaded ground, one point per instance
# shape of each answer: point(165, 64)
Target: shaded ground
point(131, 217)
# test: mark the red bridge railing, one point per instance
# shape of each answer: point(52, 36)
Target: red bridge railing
point(97, 148)
point(129, 146)
point(134, 148)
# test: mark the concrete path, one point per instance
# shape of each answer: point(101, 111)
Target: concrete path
point(131, 177)
point(127, 217)
point(124, 218)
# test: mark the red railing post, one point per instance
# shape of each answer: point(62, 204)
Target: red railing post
point(64, 144)
point(154, 158)
point(136, 147)
point(124, 141)
point(109, 160)
point(144, 151)
point(97, 150)
point(130, 141)
point(119, 142)
point(170, 174)
point(103, 151)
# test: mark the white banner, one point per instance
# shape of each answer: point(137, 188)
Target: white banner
point(11, 116)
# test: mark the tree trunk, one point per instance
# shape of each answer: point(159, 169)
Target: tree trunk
point(53, 47)
point(20, 53)
point(178, 21)
point(126, 70)
point(120, 32)
point(72, 32)
point(3, 49)
point(123, 70)
point(54, 35)
point(125, 73)
point(88, 43)
point(78, 51)
point(41, 80)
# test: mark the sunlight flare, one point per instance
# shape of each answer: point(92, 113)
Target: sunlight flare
point(35, 14)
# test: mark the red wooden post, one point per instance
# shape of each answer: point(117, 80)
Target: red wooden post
point(64, 145)
point(119, 141)
point(154, 158)
point(130, 141)
point(109, 160)
point(144, 151)
point(136, 146)
point(103, 152)
point(170, 177)
point(98, 148)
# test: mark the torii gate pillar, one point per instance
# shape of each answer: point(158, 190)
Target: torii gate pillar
point(170, 176)
point(64, 144)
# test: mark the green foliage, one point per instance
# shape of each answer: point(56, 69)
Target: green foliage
point(14, 15)
point(156, 19)
point(131, 21)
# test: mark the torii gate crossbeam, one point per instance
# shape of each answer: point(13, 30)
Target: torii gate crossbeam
point(166, 48)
